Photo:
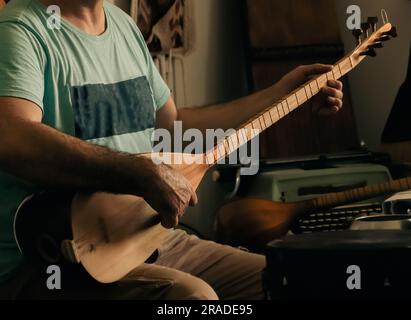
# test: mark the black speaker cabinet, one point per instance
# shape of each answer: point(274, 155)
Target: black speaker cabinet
point(345, 265)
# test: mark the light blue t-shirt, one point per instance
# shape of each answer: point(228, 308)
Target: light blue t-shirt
point(103, 89)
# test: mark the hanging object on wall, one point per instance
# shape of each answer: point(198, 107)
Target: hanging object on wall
point(168, 31)
point(164, 23)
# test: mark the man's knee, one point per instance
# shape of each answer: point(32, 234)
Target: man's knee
point(188, 287)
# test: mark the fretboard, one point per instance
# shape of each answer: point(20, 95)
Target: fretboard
point(333, 200)
point(277, 111)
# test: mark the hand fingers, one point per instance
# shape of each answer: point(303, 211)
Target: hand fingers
point(317, 68)
point(328, 111)
point(331, 92)
point(334, 103)
point(168, 220)
point(335, 84)
point(193, 199)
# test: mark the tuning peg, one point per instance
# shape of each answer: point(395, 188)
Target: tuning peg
point(370, 52)
point(373, 22)
point(365, 27)
point(393, 32)
point(384, 38)
point(377, 45)
point(357, 34)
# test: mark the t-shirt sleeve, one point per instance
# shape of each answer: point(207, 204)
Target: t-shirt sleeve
point(22, 64)
point(160, 89)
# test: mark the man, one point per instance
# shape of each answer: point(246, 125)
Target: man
point(77, 105)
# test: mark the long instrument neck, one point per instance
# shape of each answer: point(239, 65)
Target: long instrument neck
point(277, 111)
point(333, 200)
point(302, 94)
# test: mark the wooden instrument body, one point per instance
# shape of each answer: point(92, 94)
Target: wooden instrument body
point(110, 234)
point(253, 222)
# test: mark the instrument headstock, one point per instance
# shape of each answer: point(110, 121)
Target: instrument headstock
point(370, 37)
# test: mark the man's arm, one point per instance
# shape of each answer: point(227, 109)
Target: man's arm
point(40, 154)
point(233, 114)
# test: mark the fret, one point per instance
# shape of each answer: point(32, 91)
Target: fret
point(407, 181)
point(339, 68)
point(292, 102)
point(386, 187)
point(231, 146)
point(352, 64)
point(255, 125)
point(338, 197)
point(233, 139)
point(335, 74)
point(346, 66)
point(316, 204)
point(278, 111)
point(221, 151)
point(210, 158)
point(355, 194)
point(358, 194)
point(343, 197)
point(333, 199)
point(321, 202)
point(393, 186)
point(242, 138)
point(249, 134)
point(321, 81)
point(318, 86)
point(281, 111)
point(262, 123)
point(329, 200)
point(352, 196)
point(374, 189)
point(286, 107)
point(311, 90)
point(270, 112)
point(302, 96)
point(216, 153)
point(326, 201)
point(236, 139)
point(306, 92)
point(361, 193)
point(248, 130)
point(227, 147)
point(274, 115)
point(244, 134)
point(268, 120)
point(381, 187)
point(330, 76)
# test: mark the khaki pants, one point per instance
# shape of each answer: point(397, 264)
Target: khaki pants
point(186, 268)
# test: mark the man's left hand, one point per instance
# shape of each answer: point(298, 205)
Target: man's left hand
point(329, 101)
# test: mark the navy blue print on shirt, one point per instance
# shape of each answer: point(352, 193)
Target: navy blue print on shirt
point(105, 110)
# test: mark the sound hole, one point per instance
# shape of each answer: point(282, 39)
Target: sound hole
point(48, 248)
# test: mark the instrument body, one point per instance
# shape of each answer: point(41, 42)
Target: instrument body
point(108, 234)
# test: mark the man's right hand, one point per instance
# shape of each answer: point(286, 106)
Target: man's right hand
point(169, 193)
